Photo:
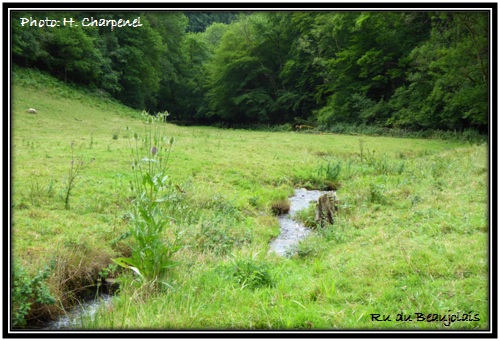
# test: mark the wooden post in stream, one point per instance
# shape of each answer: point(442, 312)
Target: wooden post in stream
point(325, 209)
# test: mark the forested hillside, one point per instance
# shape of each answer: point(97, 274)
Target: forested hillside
point(411, 70)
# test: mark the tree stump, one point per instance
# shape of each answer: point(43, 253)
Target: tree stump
point(325, 209)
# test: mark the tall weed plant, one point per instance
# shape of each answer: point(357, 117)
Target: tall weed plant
point(152, 248)
point(76, 167)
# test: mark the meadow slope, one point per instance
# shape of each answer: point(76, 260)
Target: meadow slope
point(411, 234)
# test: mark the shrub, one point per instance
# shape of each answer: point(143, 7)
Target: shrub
point(27, 290)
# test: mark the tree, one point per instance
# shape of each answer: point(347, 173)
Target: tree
point(300, 72)
point(417, 70)
point(244, 75)
point(137, 59)
point(199, 21)
point(172, 67)
point(28, 45)
point(448, 81)
point(69, 53)
point(364, 56)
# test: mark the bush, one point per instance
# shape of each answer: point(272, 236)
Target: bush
point(27, 290)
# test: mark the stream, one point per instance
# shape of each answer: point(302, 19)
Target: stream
point(292, 231)
point(73, 318)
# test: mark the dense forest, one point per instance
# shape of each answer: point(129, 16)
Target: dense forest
point(413, 70)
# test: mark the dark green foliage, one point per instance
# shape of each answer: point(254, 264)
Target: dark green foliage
point(411, 71)
point(171, 68)
point(367, 64)
point(448, 81)
point(199, 21)
point(28, 290)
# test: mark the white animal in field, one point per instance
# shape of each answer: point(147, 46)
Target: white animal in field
point(31, 111)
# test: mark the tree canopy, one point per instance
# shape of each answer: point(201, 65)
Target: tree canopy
point(414, 70)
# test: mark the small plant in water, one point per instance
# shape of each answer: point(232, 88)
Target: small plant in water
point(279, 207)
point(308, 216)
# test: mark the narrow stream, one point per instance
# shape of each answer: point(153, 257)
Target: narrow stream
point(73, 318)
point(292, 231)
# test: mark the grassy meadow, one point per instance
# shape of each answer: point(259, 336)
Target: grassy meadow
point(410, 236)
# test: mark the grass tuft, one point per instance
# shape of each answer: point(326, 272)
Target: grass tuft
point(279, 207)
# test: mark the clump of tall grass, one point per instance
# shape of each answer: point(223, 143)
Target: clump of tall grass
point(308, 216)
point(310, 247)
point(326, 176)
point(37, 193)
point(250, 273)
point(281, 206)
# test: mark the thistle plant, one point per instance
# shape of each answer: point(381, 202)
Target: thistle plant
point(152, 250)
point(76, 167)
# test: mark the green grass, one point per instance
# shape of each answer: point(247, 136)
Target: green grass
point(411, 235)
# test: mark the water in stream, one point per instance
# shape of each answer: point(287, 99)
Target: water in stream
point(293, 231)
point(73, 318)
